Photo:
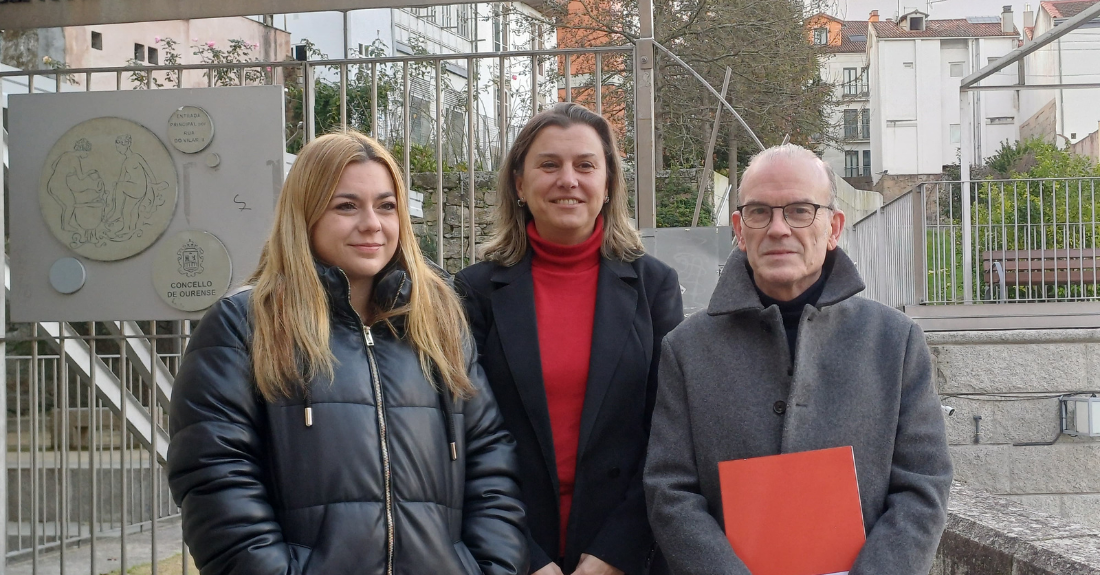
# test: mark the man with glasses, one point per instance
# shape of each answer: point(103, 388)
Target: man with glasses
point(786, 359)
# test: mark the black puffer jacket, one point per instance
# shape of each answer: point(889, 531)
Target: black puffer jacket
point(363, 490)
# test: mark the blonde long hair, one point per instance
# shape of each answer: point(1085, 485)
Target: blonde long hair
point(508, 242)
point(289, 308)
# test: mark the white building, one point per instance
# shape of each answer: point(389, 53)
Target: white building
point(915, 67)
point(844, 65)
point(1061, 116)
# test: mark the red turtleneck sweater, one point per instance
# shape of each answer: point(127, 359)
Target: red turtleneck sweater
point(565, 305)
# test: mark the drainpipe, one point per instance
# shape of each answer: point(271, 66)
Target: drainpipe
point(1061, 94)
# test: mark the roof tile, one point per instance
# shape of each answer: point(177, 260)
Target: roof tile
point(957, 28)
point(847, 44)
point(1066, 8)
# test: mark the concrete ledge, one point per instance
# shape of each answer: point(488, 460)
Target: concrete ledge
point(989, 535)
point(1005, 316)
point(1015, 336)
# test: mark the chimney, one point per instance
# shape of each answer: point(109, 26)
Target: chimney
point(874, 16)
point(1029, 17)
point(1008, 25)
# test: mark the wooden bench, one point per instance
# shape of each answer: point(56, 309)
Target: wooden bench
point(1040, 269)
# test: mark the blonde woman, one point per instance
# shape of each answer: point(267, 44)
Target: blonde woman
point(568, 315)
point(331, 419)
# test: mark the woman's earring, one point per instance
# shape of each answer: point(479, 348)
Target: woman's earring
point(521, 202)
point(606, 199)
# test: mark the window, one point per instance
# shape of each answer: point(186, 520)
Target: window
point(445, 17)
point(139, 52)
point(97, 41)
point(867, 163)
point(855, 82)
point(865, 125)
point(956, 69)
point(1001, 120)
point(956, 133)
point(851, 164)
point(851, 124)
point(498, 29)
point(464, 21)
point(154, 56)
point(916, 23)
point(821, 36)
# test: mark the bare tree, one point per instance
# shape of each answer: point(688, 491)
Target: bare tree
point(776, 85)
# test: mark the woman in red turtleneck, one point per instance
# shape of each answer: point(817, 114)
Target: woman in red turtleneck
point(568, 314)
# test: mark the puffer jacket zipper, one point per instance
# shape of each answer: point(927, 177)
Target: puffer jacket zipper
point(380, 406)
point(387, 478)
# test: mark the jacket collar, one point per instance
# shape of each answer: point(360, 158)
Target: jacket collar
point(736, 291)
point(392, 289)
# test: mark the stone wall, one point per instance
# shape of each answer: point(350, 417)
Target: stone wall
point(987, 535)
point(1042, 124)
point(891, 186)
point(456, 211)
point(1089, 146)
point(1016, 449)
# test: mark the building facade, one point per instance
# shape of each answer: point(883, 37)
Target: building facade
point(915, 66)
point(1065, 117)
point(155, 43)
point(844, 64)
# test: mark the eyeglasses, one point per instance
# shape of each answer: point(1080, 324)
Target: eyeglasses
point(797, 215)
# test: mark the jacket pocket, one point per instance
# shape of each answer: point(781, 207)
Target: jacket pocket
point(469, 564)
point(300, 554)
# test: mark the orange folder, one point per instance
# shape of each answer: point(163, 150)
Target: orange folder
point(794, 514)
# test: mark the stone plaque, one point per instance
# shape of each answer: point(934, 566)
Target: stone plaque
point(108, 189)
point(192, 270)
point(190, 129)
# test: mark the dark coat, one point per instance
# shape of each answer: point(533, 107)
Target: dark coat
point(637, 303)
point(261, 493)
point(861, 376)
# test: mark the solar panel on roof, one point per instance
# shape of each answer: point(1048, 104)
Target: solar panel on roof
point(983, 19)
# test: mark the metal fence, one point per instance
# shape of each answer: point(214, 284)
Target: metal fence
point(86, 444)
point(882, 247)
point(1030, 240)
point(1033, 240)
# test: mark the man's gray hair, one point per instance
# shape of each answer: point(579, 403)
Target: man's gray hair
point(790, 152)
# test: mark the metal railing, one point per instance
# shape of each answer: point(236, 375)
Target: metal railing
point(1033, 240)
point(80, 469)
point(882, 247)
point(414, 104)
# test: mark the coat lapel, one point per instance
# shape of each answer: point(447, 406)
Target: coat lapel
point(514, 307)
point(616, 305)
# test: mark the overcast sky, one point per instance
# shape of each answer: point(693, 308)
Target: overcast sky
point(860, 9)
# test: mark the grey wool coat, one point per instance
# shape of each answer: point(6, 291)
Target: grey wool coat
point(861, 376)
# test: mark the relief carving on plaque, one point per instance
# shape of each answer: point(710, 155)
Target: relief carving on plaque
point(108, 189)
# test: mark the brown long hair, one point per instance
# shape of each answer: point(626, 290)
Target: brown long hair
point(289, 308)
point(508, 242)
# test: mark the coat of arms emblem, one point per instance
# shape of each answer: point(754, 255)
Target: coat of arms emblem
point(190, 259)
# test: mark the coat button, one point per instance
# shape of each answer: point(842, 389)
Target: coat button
point(779, 407)
point(614, 472)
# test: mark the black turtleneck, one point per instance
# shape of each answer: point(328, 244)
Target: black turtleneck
point(792, 310)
